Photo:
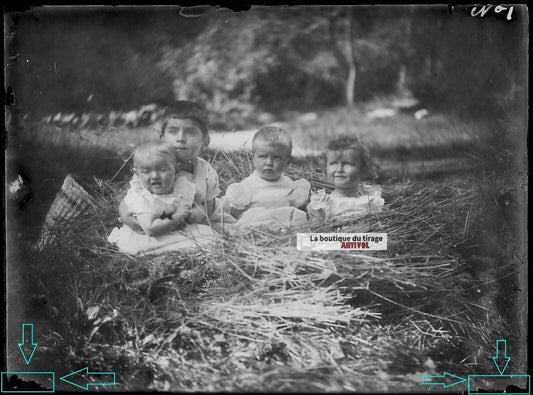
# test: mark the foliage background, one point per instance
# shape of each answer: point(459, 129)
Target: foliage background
point(270, 59)
point(249, 68)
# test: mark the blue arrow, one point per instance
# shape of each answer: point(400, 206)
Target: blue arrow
point(497, 359)
point(27, 348)
point(441, 380)
point(86, 375)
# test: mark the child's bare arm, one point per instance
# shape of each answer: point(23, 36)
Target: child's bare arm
point(128, 219)
point(155, 226)
point(197, 216)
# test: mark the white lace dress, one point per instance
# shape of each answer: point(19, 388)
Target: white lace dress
point(140, 200)
point(326, 206)
point(270, 204)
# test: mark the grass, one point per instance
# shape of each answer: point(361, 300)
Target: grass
point(254, 314)
point(436, 136)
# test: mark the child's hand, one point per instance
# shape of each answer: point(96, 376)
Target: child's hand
point(322, 198)
point(316, 215)
point(197, 216)
point(131, 222)
point(179, 218)
point(319, 206)
point(300, 194)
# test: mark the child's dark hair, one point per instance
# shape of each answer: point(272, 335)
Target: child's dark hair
point(182, 109)
point(347, 142)
point(273, 136)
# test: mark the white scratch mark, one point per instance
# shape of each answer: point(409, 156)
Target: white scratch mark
point(16, 185)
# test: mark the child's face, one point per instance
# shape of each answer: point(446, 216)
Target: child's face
point(186, 136)
point(344, 168)
point(156, 172)
point(269, 160)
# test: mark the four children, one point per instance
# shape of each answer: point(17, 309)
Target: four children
point(173, 193)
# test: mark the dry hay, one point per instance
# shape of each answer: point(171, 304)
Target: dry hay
point(257, 314)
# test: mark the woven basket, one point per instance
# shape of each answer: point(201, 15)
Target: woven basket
point(69, 202)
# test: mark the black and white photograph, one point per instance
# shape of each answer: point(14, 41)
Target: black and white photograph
point(288, 198)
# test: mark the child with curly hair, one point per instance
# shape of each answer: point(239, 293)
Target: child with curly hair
point(347, 163)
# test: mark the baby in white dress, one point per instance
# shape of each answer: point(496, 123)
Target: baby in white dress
point(161, 201)
point(347, 161)
point(268, 198)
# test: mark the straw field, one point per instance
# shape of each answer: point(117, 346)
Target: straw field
point(252, 313)
point(255, 314)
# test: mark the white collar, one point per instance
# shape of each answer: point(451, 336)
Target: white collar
point(282, 178)
point(182, 188)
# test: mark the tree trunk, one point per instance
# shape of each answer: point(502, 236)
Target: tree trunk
point(401, 86)
point(350, 85)
point(350, 57)
point(343, 50)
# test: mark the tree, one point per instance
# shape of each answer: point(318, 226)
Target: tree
point(58, 59)
point(282, 57)
point(465, 63)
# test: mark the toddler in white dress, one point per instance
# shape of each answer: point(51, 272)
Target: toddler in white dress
point(268, 198)
point(347, 161)
point(161, 201)
point(185, 127)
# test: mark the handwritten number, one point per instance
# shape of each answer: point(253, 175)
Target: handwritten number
point(510, 13)
point(483, 11)
point(486, 8)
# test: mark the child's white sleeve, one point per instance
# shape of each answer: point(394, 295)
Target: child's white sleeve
point(319, 200)
point(238, 196)
point(319, 205)
point(376, 202)
point(300, 194)
point(137, 204)
point(135, 199)
point(184, 190)
point(212, 189)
